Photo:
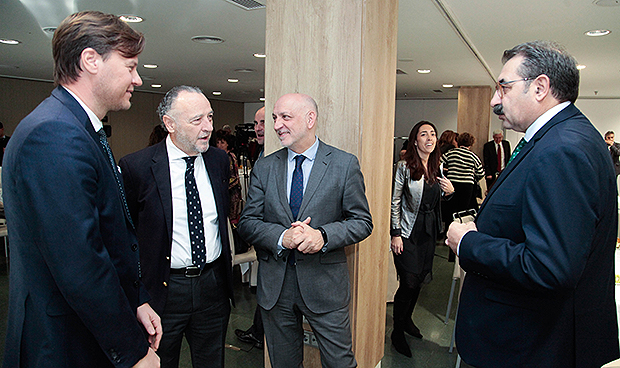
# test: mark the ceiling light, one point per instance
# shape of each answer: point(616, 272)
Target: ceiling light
point(258, 55)
point(150, 66)
point(581, 66)
point(607, 2)
point(233, 80)
point(207, 39)
point(156, 85)
point(447, 85)
point(216, 93)
point(49, 29)
point(262, 99)
point(424, 71)
point(7, 41)
point(130, 18)
point(598, 32)
point(245, 70)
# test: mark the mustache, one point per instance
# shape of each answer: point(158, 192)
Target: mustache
point(498, 109)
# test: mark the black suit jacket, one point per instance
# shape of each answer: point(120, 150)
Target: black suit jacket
point(539, 290)
point(489, 154)
point(74, 283)
point(146, 174)
point(614, 150)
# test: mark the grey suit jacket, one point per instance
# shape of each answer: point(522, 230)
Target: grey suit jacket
point(334, 198)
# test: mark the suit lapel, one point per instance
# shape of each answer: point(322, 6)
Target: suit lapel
point(160, 169)
point(216, 178)
point(319, 168)
point(568, 112)
point(281, 168)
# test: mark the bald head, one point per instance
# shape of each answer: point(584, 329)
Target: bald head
point(294, 117)
point(259, 125)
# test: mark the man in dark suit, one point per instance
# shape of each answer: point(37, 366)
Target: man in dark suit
point(4, 140)
point(305, 204)
point(75, 289)
point(539, 290)
point(614, 150)
point(189, 278)
point(495, 154)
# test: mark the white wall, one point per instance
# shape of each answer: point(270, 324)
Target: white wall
point(249, 110)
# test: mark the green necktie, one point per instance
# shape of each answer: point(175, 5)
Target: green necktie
point(522, 143)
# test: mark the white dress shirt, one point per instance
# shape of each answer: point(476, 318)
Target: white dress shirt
point(181, 255)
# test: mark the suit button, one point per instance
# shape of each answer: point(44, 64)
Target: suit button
point(165, 284)
point(134, 247)
point(136, 284)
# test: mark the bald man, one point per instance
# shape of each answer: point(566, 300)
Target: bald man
point(305, 204)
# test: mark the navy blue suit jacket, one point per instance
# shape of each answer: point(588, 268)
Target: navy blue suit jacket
point(539, 290)
point(146, 174)
point(74, 281)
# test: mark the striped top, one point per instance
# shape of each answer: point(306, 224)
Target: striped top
point(462, 166)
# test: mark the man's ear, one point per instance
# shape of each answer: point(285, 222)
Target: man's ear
point(90, 60)
point(311, 119)
point(168, 122)
point(542, 87)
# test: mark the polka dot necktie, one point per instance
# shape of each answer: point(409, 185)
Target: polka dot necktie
point(522, 143)
point(194, 215)
point(296, 195)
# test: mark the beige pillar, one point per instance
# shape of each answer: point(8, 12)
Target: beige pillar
point(474, 114)
point(343, 53)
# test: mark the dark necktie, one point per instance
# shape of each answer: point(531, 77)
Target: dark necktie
point(106, 147)
point(296, 195)
point(194, 215)
point(499, 158)
point(522, 143)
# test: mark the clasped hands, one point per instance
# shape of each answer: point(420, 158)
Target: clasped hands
point(303, 237)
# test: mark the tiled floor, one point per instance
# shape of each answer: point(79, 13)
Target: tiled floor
point(429, 352)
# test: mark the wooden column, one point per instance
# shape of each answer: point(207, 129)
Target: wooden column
point(474, 114)
point(343, 53)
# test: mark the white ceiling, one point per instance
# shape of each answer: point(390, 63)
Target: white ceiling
point(461, 41)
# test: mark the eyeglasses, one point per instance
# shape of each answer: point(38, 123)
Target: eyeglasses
point(500, 87)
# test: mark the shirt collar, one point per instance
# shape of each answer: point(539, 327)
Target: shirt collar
point(94, 120)
point(310, 153)
point(543, 119)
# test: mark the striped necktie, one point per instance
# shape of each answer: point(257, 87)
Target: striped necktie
point(522, 143)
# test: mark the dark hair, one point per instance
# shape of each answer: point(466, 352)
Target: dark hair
point(447, 137)
point(158, 134)
point(102, 32)
point(166, 103)
point(552, 60)
point(413, 160)
point(606, 134)
point(465, 140)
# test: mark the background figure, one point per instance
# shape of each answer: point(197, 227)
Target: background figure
point(464, 169)
point(75, 296)
point(305, 204)
point(415, 225)
point(539, 290)
point(177, 191)
point(158, 134)
point(4, 140)
point(447, 141)
point(614, 150)
point(224, 141)
point(495, 154)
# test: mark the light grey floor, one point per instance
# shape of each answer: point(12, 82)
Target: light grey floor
point(429, 352)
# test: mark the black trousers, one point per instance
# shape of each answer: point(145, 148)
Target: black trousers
point(197, 308)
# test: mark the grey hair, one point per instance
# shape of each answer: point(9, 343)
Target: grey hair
point(166, 103)
point(551, 59)
point(498, 131)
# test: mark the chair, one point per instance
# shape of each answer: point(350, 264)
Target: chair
point(247, 261)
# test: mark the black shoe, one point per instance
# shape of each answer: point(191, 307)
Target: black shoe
point(400, 343)
point(248, 337)
point(412, 329)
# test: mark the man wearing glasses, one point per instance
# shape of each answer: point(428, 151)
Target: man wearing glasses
point(539, 258)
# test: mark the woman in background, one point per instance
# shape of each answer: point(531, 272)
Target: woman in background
point(447, 141)
point(224, 142)
point(415, 223)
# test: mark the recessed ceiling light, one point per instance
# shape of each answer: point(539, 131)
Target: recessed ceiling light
point(7, 41)
point(49, 29)
point(581, 66)
point(607, 2)
point(233, 80)
point(258, 55)
point(217, 93)
point(156, 85)
point(447, 85)
point(405, 60)
point(245, 70)
point(262, 99)
point(130, 18)
point(150, 66)
point(424, 71)
point(207, 39)
point(598, 32)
